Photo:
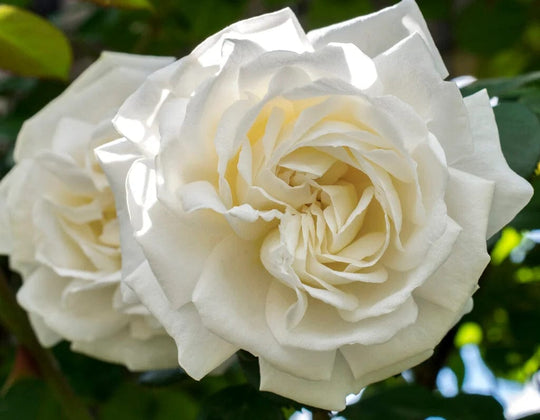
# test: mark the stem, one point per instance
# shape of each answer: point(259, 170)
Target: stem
point(16, 321)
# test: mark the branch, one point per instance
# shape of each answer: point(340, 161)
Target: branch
point(15, 320)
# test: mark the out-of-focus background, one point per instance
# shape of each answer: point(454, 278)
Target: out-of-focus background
point(494, 350)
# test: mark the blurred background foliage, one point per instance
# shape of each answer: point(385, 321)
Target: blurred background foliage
point(46, 43)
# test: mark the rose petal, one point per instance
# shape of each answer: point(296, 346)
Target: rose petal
point(158, 231)
point(406, 71)
point(89, 319)
point(322, 328)
point(73, 103)
point(432, 323)
point(273, 31)
point(138, 355)
point(116, 158)
point(378, 31)
point(328, 394)
point(199, 350)
point(233, 287)
point(45, 335)
point(512, 192)
point(456, 280)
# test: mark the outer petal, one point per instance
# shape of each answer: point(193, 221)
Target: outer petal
point(233, 287)
point(273, 31)
point(159, 231)
point(401, 351)
point(90, 318)
point(107, 82)
point(512, 192)
point(378, 31)
point(14, 177)
point(45, 335)
point(456, 280)
point(199, 350)
point(407, 71)
point(155, 353)
point(328, 394)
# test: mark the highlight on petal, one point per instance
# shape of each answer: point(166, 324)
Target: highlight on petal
point(378, 31)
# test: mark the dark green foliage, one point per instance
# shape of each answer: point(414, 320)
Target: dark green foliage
point(519, 131)
point(412, 402)
point(242, 402)
point(486, 27)
point(29, 399)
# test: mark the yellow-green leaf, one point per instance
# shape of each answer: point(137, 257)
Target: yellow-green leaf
point(31, 46)
point(125, 4)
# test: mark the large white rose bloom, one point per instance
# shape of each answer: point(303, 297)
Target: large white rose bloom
point(58, 223)
point(321, 201)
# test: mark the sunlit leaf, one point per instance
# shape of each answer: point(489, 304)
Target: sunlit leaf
point(125, 4)
point(468, 333)
point(508, 241)
point(31, 46)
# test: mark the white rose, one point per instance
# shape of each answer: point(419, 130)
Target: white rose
point(321, 201)
point(59, 225)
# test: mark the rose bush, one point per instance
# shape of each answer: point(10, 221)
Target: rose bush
point(321, 201)
point(58, 223)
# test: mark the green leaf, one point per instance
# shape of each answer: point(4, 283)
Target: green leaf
point(133, 402)
point(31, 46)
point(519, 130)
point(531, 98)
point(504, 87)
point(126, 4)
point(531, 417)
point(527, 219)
point(241, 402)
point(250, 367)
point(412, 402)
point(90, 378)
point(486, 27)
point(29, 399)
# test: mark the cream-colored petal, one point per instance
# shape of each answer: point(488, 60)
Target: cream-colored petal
point(90, 318)
point(158, 231)
point(109, 90)
point(327, 394)
point(158, 352)
point(418, 338)
point(407, 72)
point(116, 158)
point(273, 31)
point(323, 329)
point(378, 31)
point(512, 192)
point(233, 287)
point(199, 350)
point(456, 280)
